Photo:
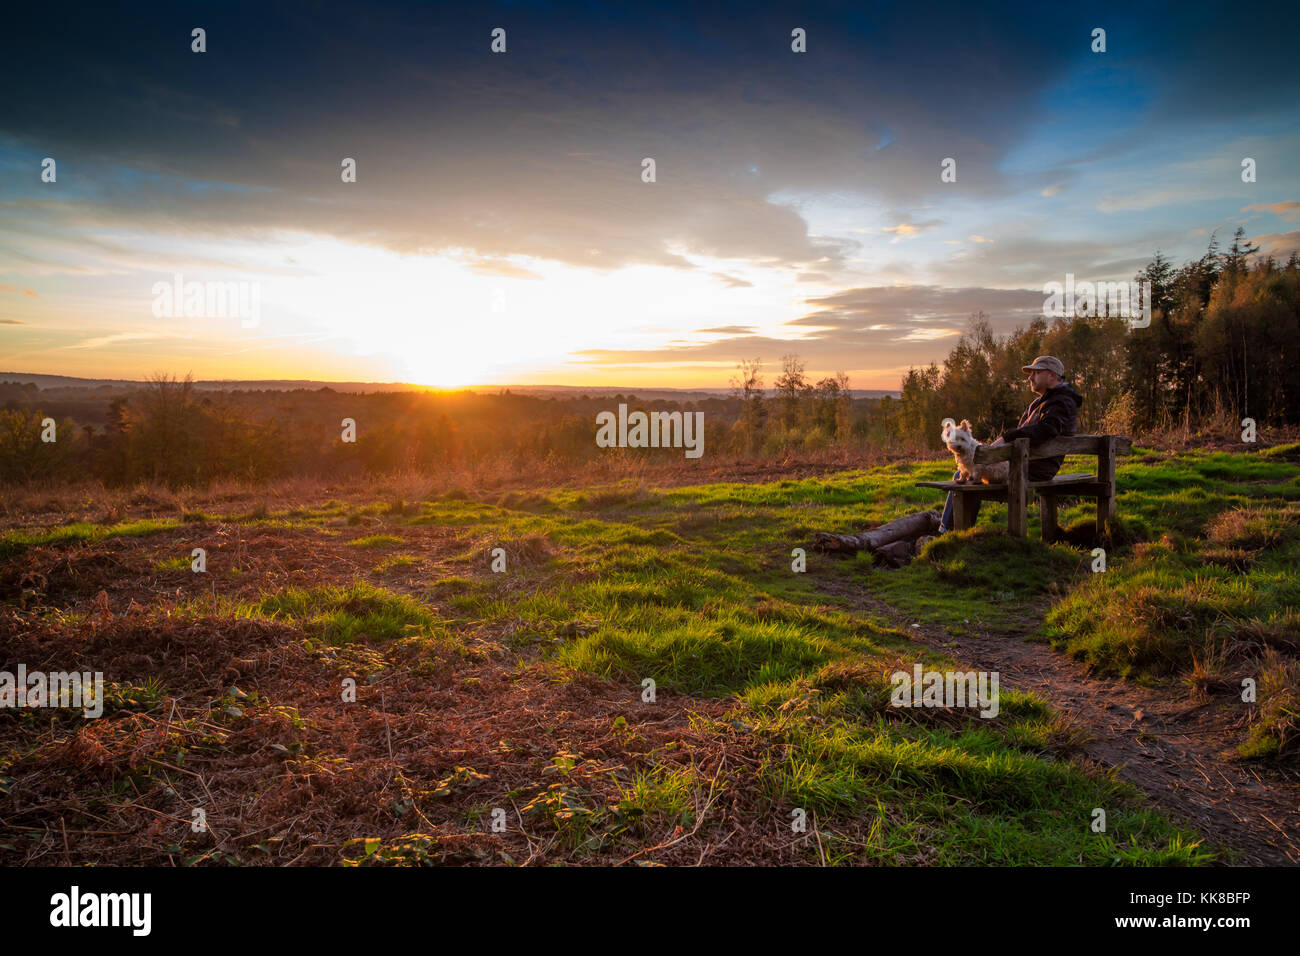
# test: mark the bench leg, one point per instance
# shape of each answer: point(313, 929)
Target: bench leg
point(1106, 476)
point(1018, 489)
point(1047, 512)
point(1105, 516)
point(960, 512)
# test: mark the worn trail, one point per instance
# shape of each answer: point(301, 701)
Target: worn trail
point(1159, 739)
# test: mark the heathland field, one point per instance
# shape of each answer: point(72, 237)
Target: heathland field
point(349, 681)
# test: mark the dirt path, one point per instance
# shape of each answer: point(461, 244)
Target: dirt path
point(1161, 741)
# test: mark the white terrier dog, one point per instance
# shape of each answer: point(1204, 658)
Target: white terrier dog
point(962, 444)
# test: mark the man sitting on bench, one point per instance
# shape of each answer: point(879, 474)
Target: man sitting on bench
point(1054, 412)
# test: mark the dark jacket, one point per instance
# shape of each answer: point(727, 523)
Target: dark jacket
point(1055, 412)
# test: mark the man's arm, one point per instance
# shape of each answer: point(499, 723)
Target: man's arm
point(1054, 421)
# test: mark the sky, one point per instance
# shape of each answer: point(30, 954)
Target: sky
point(500, 228)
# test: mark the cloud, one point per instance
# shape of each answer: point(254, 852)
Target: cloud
point(501, 268)
point(906, 307)
point(1290, 211)
point(102, 341)
point(728, 330)
point(13, 322)
point(541, 159)
point(905, 228)
point(1025, 258)
point(1278, 244)
point(732, 282)
point(862, 329)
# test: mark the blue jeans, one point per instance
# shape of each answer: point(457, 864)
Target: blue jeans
point(972, 505)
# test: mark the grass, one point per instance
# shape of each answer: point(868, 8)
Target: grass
point(14, 543)
point(396, 561)
point(376, 541)
point(949, 797)
point(1276, 731)
point(339, 615)
point(693, 588)
point(1178, 597)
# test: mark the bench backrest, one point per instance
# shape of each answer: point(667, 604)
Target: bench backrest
point(1060, 445)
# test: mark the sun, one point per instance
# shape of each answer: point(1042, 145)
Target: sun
point(441, 368)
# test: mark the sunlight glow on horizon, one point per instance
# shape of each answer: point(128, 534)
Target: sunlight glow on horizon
point(432, 320)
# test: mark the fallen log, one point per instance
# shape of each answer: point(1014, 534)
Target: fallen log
point(896, 553)
point(907, 527)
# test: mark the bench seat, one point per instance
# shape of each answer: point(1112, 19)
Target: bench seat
point(980, 486)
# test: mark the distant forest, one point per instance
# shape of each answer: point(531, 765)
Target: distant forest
point(1224, 339)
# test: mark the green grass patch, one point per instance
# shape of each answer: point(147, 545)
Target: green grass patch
point(14, 543)
point(950, 796)
point(396, 561)
point(376, 541)
point(1174, 600)
point(339, 615)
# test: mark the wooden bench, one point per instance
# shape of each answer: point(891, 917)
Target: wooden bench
point(1016, 491)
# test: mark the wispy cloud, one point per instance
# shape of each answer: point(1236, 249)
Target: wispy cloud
point(102, 341)
point(1290, 211)
point(728, 330)
point(732, 282)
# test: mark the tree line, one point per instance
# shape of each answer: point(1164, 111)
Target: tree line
point(1224, 333)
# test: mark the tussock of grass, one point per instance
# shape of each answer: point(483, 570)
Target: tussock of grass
point(339, 615)
point(1287, 452)
point(396, 561)
point(701, 659)
point(526, 501)
point(620, 498)
point(1252, 528)
point(1275, 729)
point(977, 575)
point(376, 541)
point(986, 558)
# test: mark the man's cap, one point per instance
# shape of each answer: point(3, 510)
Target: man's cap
point(1047, 363)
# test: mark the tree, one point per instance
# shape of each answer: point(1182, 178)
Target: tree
point(748, 387)
point(791, 387)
